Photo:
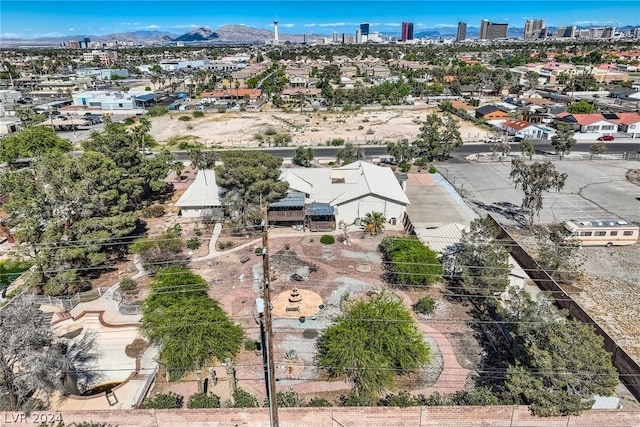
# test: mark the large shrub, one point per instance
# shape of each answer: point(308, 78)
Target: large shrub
point(328, 239)
point(409, 262)
point(165, 401)
point(201, 400)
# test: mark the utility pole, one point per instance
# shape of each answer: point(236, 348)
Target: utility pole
point(268, 346)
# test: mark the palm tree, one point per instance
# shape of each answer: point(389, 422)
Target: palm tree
point(374, 222)
point(144, 126)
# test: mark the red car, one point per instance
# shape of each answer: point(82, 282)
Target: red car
point(606, 138)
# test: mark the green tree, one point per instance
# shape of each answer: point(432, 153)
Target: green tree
point(482, 263)
point(402, 151)
point(534, 179)
point(374, 222)
point(141, 130)
point(438, 135)
point(349, 153)
point(188, 326)
point(562, 363)
point(303, 156)
point(581, 107)
point(249, 178)
point(63, 200)
point(201, 400)
point(368, 353)
point(409, 262)
point(33, 141)
point(203, 159)
point(598, 148)
point(160, 251)
point(527, 148)
point(34, 362)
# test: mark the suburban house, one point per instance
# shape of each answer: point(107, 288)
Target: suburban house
point(306, 93)
point(589, 123)
point(337, 196)
point(491, 112)
point(628, 123)
point(525, 130)
point(202, 198)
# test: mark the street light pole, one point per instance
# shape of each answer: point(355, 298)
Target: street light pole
point(268, 346)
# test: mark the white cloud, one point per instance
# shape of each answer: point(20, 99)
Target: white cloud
point(152, 27)
point(130, 24)
point(333, 24)
point(10, 35)
point(71, 29)
point(391, 24)
point(313, 24)
point(181, 26)
point(287, 25)
point(445, 26)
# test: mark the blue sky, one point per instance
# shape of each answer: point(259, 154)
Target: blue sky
point(31, 18)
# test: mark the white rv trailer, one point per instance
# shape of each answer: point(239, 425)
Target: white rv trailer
point(602, 233)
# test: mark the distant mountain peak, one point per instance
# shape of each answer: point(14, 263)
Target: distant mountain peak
point(197, 35)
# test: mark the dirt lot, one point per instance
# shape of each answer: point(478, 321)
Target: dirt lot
point(314, 128)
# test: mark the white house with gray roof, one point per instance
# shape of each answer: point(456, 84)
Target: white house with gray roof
point(202, 198)
point(353, 190)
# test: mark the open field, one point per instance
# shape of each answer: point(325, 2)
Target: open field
point(233, 129)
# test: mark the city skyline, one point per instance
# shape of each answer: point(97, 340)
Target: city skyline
point(32, 19)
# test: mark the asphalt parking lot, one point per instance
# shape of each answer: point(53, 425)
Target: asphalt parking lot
point(593, 190)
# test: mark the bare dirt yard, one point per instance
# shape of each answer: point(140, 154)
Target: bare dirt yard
point(334, 274)
point(238, 129)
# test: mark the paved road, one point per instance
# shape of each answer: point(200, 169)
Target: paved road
point(376, 151)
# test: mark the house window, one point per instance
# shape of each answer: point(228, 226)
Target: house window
point(607, 127)
point(591, 128)
point(600, 233)
point(613, 233)
point(585, 233)
point(627, 233)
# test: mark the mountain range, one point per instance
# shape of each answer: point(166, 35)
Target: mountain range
point(233, 34)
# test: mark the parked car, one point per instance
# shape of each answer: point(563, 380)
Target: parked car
point(491, 140)
point(606, 138)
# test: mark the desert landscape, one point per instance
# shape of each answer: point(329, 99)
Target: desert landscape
point(239, 129)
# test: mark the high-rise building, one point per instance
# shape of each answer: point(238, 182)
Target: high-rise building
point(462, 32)
point(364, 29)
point(566, 32)
point(305, 38)
point(533, 28)
point(358, 36)
point(491, 30)
point(407, 31)
point(484, 26)
point(335, 37)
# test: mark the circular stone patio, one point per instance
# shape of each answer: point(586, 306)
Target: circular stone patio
point(304, 303)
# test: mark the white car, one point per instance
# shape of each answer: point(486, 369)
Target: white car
point(491, 140)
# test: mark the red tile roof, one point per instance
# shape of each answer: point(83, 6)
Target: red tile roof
point(517, 125)
point(627, 118)
point(587, 119)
